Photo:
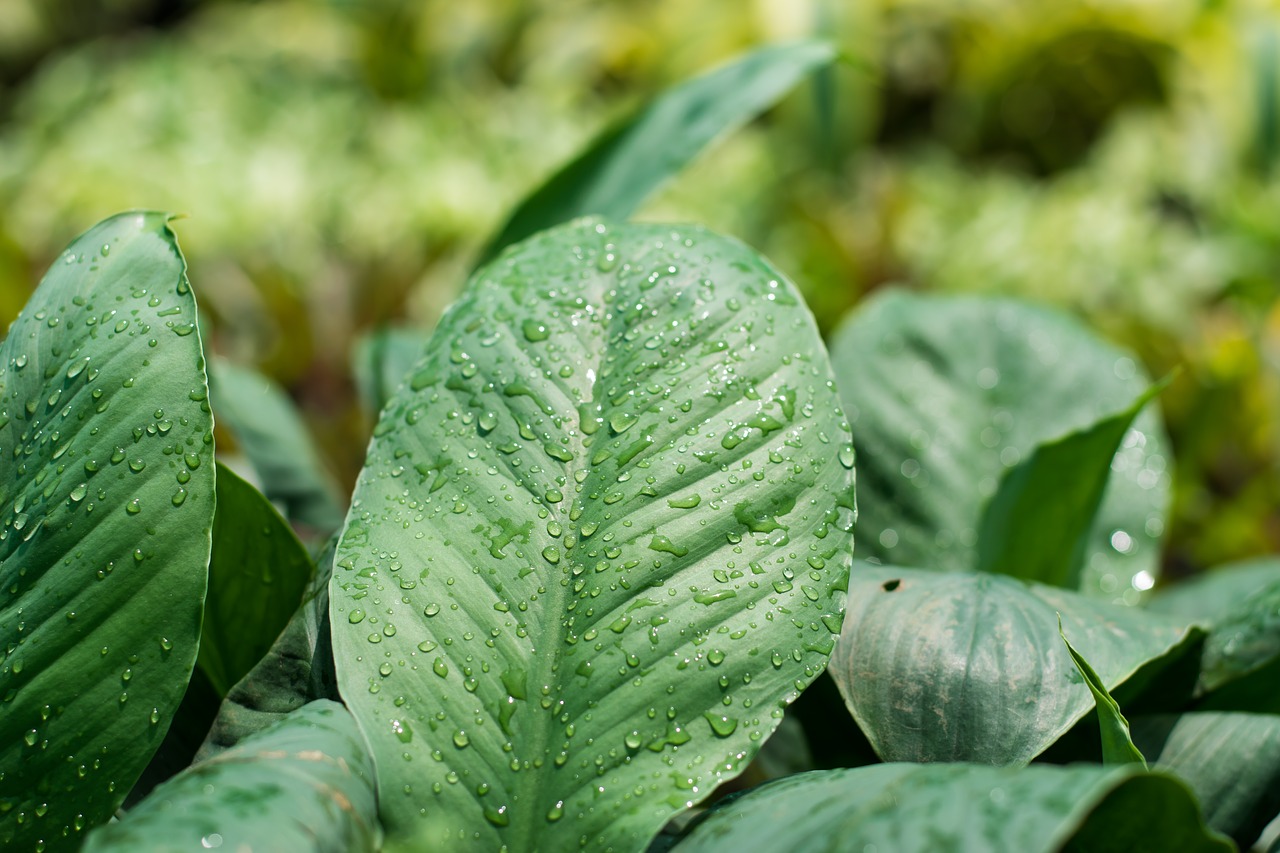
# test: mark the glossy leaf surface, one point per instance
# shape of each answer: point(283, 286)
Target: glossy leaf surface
point(1230, 761)
point(960, 807)
point(1240, 668)
point(948, 394)
point(257, 575)
point(306, 784)
point(1213, 594)
point(629, 161)
point(946, 666)
point(600, 541)
point(107, 484)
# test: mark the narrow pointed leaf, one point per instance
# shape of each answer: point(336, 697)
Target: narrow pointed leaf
point(1037, 525)
point(600, 542)
point(270, 433)
point(297, 669)
point(257, 575)
point(1117, 745)
point(947, 666)
point(1231, 762)
point(946, 394)
point(960, 807)
point(107, 488)
point(305, 784)
point(629, 161)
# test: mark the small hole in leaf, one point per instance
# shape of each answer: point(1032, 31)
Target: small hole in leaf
point(890, 586)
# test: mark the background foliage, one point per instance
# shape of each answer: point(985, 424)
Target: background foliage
point(343, 163)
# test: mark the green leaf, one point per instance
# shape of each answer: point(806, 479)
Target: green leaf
point(1037, 525)
point(946, 394)
point(1212, 595)
point(947, 666)
point(1240, 668)
point(960, 807)
point(1230, 761)
point(381, 360)
point(632, 159)
point(257, 575)
point(107, 485)
point(269, 432)
point(1117, 746)
point(297, 669)
point(305, 784)
point(600, 542)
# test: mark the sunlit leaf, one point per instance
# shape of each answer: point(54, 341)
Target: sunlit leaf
point(600, 542)
point(1117, 745)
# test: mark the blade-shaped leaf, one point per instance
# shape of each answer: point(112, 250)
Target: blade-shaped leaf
point(1037, 525)
point(257, 575)
point(305, 784)
point(382, 359)
point(960, 807)
point(941, 412)
point(948, 666)
point(601, 540)
point(297, 669)
point(270, 433)
point(1230, 761)
point(1117, 745)
point(629, 161)
point(107, 484)
point(1240, 668)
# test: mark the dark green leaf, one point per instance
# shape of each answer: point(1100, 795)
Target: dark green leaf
point(305, 784)
point(629, 161)
point(296, 670)
point(271, 435)
point(949, 666)
point(1117, 745)
point(1240, 668)
point(257, 576)
point(1230, 761)
point(1037, 525)
point(600, 542)
point(946, 394)
point(960, 807)
point(107, 484)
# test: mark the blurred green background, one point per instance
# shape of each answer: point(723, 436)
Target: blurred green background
point(342, 162)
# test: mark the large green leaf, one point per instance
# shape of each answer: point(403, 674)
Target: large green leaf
point(959, 807)
point(1212, 595)
point(1240, 668)
point(305, 784)
point(257, 575)
point(270, 433)
point(950, 666)
point(107, 484)
point(297, 669)
point(946, 394)
point(601, 540)
point(1230, 761)
point(627, 162)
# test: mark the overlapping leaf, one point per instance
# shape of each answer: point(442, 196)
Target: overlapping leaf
point(601, 540)
point(107, 490)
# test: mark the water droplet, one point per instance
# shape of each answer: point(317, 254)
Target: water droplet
point(460, 739)
point(722, 725)
point(355, 617)
point(534, 331)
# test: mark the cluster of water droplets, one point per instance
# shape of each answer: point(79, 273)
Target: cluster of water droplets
point(95, 459)
point(604, 528)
